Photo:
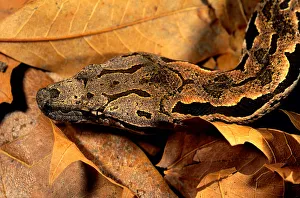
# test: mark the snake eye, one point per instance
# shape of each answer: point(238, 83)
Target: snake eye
point(54, 93)
point(89, 95)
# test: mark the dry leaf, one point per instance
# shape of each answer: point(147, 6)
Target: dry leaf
point(21, 121)
point(238, 134)
point(120, 159)
point(216, 177)
point(281, 149)
point(286, 149)
point(233, 17)
point(199, 150)
point(64, 36)
point(25, 155)
point(6, 66)
point(9, 7)
point(64, 153)
point(230, 183)
point(294, 117)
point(188, 162)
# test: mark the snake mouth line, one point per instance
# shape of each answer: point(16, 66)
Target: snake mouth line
point(89, 117)
point(73, 115)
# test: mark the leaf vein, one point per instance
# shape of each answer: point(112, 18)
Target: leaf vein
point(91, 15)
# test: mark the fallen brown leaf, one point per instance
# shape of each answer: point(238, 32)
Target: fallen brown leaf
point(120, 159)
point(233, 17)
point(238, 134)
point(286, 149)
point(64, 36)
point(25, 154)
point(197, 155)
point(65, 153)
point(281, 149)
point(278, 146)
point(198, 150)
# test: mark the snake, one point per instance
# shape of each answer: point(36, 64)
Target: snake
point(144, 90)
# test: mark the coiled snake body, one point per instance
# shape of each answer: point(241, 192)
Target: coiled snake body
point(145, 90)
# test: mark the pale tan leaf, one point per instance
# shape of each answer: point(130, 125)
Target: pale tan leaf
point(229, 183)
point(239, 134)
point(289, 173)
point(47, 34)
point(282, 149)
point(216, 176)
point(294, 117)
point(9, 7)
point(127, 193)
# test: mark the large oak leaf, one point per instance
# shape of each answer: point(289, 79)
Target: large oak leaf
point(63, 36)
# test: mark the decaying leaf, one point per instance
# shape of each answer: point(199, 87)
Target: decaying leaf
point(64, 36)
point(7, 64)
point(286, 149)
point(281, 149)
point(233, 17)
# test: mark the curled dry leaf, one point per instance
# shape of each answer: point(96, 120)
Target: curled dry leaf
point(197, 150)
point(65, 153)
point(233, 17)
point(64, 36)
point(281, 149)
point(23, 118)
point(238, 134)
point(286, 149)
point(7, 64)
point(294, 117)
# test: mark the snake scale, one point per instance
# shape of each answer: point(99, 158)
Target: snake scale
point(143, 90)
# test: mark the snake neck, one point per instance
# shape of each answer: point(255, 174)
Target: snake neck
point(267, 72)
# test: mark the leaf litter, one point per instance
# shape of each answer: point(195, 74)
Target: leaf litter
point(211, 160)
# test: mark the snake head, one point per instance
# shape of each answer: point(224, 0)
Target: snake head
point(126, 90)
point(70, 100)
